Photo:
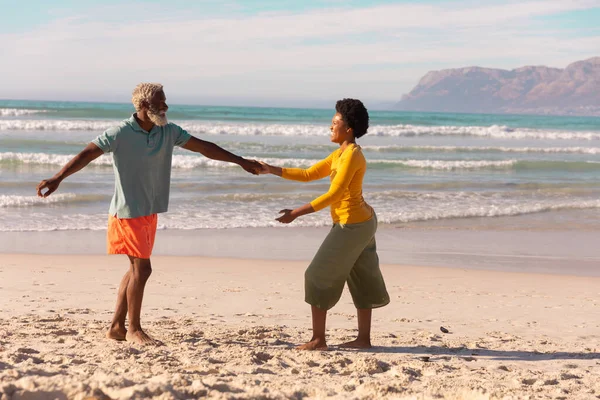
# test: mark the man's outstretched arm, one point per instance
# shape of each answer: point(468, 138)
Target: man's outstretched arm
point(214, 152)
point(86, 156)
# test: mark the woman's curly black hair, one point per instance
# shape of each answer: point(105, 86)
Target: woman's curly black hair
point(354, 114)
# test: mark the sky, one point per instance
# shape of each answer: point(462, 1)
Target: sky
point(276, 52)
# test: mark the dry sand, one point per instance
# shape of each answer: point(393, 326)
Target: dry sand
point(229, 328)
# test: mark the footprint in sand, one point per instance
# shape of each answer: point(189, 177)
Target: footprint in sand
point(256, 371)
point(64, 332)
point(567, 376)
point(225, 388)
point(27, 350)
point(25, 354)
point(260, 357)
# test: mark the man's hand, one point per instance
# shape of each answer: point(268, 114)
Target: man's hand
point(251, 166)
point(50, 184)
point(287, 216)
point(265, 168)
point(86, 156)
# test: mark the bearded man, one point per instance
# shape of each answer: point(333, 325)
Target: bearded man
point(142, 148)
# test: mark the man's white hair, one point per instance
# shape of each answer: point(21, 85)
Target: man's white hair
point(144, 92)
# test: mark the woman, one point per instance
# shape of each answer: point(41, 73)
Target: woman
point(348, 253)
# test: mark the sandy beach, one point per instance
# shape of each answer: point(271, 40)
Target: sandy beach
point(229, 328)
point(225, 141)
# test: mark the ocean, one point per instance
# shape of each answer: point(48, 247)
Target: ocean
point(421, 167)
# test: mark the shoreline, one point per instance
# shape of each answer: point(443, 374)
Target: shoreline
point(566, 250)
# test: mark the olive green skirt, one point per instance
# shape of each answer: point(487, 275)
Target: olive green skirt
point(348, 254)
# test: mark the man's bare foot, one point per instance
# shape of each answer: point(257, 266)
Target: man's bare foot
point(357, 344)
point(116, 333)
point(140, 337)
point(315, 344)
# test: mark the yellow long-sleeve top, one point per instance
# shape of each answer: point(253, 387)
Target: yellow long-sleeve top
point(346, 171)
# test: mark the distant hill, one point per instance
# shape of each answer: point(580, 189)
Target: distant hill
point(574, 90)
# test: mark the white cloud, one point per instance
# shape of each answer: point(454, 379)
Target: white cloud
point(376, 53)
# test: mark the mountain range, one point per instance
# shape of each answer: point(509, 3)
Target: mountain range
point(574, 90)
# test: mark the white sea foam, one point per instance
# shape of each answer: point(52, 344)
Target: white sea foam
point(28, 201)
point(18, 112)
point(245, 210)
point(451, 211)
point(449, 165)
point(257, 129)
point(248, 216)
point(55, 125)
point(494, 131)
point(179, 161)
point(190, 162)
point(193, 161)
point(47, 159)
point(485, 149)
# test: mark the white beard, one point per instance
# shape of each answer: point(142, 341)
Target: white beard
point(157, 119)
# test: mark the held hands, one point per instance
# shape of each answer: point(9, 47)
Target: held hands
point(265, 168)
point(252, 166)
point(50, 184)
point(287, 216)
point(256, 167)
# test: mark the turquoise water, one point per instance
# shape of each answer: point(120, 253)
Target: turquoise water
point(422, 166)
point(83, 110)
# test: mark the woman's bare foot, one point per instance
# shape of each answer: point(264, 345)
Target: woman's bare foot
point(357, 344)
point(116, 333)
point(314, 344)
point(140, 337)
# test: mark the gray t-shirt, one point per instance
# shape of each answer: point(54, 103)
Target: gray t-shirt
point(142, 165)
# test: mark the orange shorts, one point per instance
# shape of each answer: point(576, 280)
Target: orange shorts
point(132, 236)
